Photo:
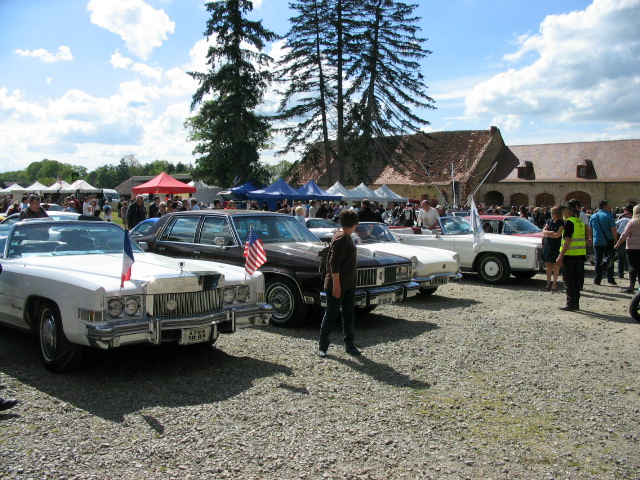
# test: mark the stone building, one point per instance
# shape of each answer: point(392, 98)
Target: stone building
point(450, 166)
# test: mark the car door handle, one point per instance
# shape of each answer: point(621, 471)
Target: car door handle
point(196, 252)
point(161, 249)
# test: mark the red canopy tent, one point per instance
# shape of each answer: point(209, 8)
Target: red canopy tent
point(163, 183)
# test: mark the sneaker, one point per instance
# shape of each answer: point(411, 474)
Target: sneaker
point(7, 404)
point(352, 351)
point(628, 290)
point(322, 353)
point(612, 282)
point(596, 282)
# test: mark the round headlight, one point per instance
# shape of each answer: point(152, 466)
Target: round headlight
point(243, 293)
point(229, 295)
point(115, 308)
point(131, 306)
point(414, 262)
point(456, 257)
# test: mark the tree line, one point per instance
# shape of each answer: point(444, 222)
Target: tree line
point(350, 76)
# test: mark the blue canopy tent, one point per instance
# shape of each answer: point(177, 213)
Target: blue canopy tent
point(278, 190)
point(311, 191)
point(239, 192)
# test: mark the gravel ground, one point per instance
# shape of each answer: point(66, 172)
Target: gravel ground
point(475, 382)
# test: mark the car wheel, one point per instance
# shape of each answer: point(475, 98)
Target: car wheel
point(634, 307)
point(524, 275)
point(58, 353)
point(493, 268)
point(288, 308)
point(428, 291)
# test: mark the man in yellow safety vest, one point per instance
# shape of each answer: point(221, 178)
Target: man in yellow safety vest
point(573, 253)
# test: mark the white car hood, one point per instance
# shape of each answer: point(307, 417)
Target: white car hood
point(105, 269)
point(423, 254)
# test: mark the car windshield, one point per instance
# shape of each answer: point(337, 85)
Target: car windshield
point(275, 228)
point(11, 219)
point(321, 223)
point(46, 238)
point(142, 228)
point(455, 225)
point(516, 225)
point(369, 232)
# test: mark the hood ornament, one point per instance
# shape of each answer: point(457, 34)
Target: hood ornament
point(181, 265)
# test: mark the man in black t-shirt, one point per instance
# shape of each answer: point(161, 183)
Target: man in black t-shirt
point(34, 210)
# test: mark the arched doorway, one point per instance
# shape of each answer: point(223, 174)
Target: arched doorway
point(519, 199)
point(493, 198)
point(583, 197)
point(545, 200)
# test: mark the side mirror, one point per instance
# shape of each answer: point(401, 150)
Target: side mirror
point(144, 246)
point(219, 241)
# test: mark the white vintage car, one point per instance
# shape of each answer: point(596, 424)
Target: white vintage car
point(498, 258)
point(62, 281)
point(432, 267)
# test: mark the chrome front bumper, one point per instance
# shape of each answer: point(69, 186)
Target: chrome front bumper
point(380, 295)
point(437, 279)
point(149, 330)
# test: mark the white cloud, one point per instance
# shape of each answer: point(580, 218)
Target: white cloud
point(583, 67)
point(118, 61)
point(141, 26)
point(63, 54)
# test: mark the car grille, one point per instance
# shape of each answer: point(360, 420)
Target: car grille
point(192, 303)
point(368, 277)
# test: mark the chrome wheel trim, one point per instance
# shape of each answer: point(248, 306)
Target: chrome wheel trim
point(281, 298)
point(48, 336)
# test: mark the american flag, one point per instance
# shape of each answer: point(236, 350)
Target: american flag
point(253, 253)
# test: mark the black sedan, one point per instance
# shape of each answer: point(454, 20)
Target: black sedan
point(291, 270)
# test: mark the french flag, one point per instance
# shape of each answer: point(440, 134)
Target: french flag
point(127, 260)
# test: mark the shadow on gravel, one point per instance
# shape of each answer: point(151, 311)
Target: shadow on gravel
point(382, 373)
point(371, 329)
point(112, 384)
point(604, 316)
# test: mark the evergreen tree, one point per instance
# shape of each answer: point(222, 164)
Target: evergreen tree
point(227, 128)
point(305, 69)
point(386, 78)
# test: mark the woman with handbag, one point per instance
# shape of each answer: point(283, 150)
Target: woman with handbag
point(631, 235)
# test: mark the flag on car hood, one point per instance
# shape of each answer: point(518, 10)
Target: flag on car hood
point(476, 225)
point(127, 260)
point(254, 253)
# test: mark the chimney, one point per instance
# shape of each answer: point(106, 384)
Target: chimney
point(493, 129)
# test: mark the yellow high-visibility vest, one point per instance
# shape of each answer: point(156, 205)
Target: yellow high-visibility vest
point(578, 239)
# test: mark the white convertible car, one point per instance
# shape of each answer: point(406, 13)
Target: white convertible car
point(432, 267)
point(499, 256)
point(62, 281)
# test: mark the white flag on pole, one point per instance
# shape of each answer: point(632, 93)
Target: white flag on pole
point(476, 227)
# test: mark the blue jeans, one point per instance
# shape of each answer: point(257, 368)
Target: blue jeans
point(623, 262)
point(346, 303)
point(600, 253)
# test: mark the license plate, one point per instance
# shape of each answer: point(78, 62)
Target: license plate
point(195, 335)
point(439, 281)
point(386, 299)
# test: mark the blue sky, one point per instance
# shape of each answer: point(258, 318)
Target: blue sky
point(88, 81)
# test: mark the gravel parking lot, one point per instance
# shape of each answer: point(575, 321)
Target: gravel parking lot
point(475, 382)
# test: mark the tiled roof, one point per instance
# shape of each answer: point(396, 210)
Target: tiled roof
point(612, 161)
point(438, 151)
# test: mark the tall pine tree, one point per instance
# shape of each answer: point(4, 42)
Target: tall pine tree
point(306, 71)
point(387, 83)
point(228, 128)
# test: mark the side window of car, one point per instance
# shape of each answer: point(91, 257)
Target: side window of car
point(216, 227)
point(182, 230)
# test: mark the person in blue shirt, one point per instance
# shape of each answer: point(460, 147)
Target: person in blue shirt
point(603, 227)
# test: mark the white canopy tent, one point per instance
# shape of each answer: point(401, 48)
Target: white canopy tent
point(362, 191)
point(389, 195)
point(82, 187)
point(37, 187)
point(339, 189)
point(205, 193)
point(16, 189)
point(58, 187)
